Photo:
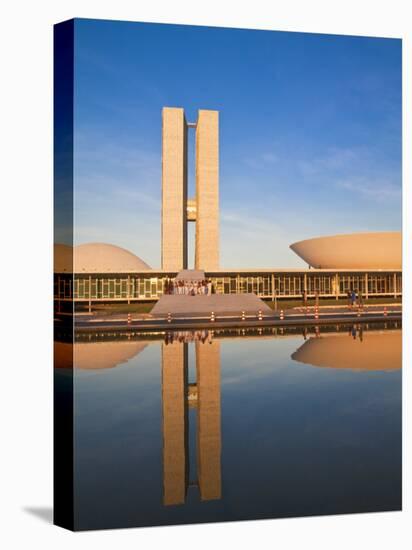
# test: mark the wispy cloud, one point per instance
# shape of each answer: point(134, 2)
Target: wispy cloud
point(269, 157)
point(356, 170)
point(247, 241)
point(117, 196)
point(261, 160)
point(373, 190)
point(333, 160)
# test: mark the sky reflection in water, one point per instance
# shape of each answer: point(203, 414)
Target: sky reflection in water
point(237, 428)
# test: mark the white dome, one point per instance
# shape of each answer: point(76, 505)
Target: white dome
point(106, 258)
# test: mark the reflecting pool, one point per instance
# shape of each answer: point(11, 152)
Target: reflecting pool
point(229, 425)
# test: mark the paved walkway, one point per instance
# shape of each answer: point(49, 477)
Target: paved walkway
point(192, 306)
point(226, 321)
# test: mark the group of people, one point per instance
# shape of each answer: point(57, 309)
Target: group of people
point(354, 331)
point(354, 298)
point(186, 336)
point(189, 288)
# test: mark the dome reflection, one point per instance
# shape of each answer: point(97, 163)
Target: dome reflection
point(96, 355)
point(371, 351)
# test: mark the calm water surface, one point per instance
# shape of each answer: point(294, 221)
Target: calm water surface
point(199, 427)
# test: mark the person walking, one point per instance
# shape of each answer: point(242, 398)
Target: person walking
point(353, 298)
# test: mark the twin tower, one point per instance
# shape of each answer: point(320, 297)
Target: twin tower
point(177, 208)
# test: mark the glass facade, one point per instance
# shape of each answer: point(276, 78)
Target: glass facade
point(146, 287)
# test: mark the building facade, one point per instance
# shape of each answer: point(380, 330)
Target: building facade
point(177, 209)
point(367, 263)
point(148, 286)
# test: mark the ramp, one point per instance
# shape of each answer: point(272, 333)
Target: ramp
point(202, 306)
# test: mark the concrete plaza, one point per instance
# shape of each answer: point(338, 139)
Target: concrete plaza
point(201, 305)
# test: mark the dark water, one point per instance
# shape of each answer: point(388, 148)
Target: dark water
point(237, 427)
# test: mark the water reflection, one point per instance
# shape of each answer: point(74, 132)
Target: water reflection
point(204, 395)
point(96, 355)
point(355, 349)
point(187, 336)
point(170, 433)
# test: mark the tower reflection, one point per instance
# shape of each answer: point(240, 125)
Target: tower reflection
point(208, 419)
point(204, 396)
point(175, 423)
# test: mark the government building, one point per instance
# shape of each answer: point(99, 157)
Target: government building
point(107, 273)
point(367, 263)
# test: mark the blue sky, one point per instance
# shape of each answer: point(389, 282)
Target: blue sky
point(310, 133)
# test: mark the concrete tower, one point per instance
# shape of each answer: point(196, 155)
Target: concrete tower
point(207, 191)
point(177, 209)
point(174, 189)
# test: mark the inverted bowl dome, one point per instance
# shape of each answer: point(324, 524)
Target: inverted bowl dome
point(382, 250)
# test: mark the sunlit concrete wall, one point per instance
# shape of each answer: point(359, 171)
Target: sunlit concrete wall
point(174, 189)
point(207, 191)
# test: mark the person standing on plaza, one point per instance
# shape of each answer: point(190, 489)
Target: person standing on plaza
point(353, 298)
